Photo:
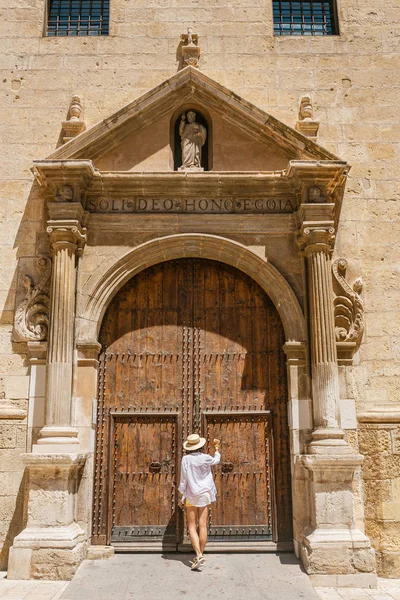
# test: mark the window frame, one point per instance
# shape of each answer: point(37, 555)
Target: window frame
point(85, 32)
point(334, 18)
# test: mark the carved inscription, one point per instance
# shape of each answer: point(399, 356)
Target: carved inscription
point(224, 205)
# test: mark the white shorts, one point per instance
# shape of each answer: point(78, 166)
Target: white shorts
point(198, 501)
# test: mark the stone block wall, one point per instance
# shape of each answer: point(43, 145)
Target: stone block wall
point(353, 80)
point(13, 429)
point(380, 444)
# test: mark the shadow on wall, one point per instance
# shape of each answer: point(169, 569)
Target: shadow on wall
point(31, 240)
point(17, 524)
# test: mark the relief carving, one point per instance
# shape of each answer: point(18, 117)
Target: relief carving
point(32, 312)
point(315, 195)
point(64, 193)
point(348, 306)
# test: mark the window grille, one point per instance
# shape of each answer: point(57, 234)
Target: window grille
point(78, 17)
point(304, 17)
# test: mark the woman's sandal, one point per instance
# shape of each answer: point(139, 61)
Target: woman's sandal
point(197, 562)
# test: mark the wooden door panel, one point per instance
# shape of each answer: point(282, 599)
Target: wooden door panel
point(188, 337)
point(244, 506)
point(143, 471)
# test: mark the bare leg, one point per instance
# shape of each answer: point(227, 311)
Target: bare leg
point(191, 513)
point(203, 518)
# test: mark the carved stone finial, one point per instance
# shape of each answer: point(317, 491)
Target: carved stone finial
point(73, 126)
point(306, 123)
point(348, 306)
point(32, 313)
point(75, 109)
point(306, 109)
point(190, 49)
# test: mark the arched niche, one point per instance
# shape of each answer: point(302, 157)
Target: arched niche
point(203, 118)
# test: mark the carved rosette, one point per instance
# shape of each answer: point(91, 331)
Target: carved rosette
point(32, 313)
point(348, 307)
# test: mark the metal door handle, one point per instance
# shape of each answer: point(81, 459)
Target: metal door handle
point(227, 467)
point(155, 467)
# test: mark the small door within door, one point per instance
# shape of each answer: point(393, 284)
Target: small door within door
point(245, 502)
point(143, 470)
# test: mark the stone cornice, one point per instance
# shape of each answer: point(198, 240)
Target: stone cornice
point(50, 460)
point(84, 185)
point(379, 416)
point(8, 412)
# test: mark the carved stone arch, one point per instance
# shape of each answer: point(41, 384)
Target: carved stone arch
point(190, 246)
point(174, 135)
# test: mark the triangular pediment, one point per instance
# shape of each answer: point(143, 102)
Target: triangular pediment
point(138, 137)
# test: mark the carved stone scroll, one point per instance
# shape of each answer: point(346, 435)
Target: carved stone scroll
point(32, 311)
point(348, 310)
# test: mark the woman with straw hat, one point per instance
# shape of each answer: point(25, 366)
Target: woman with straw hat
point(198, 491)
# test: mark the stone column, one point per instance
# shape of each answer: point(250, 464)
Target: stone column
point(316, 242)
point(333, 550)
point(58, 435)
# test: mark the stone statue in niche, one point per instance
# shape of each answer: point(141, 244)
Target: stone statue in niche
point(193, 137)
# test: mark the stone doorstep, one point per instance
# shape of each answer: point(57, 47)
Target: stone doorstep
point(100, 552)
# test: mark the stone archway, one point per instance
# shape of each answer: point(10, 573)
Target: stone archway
point(104, 285)
point(191, 345)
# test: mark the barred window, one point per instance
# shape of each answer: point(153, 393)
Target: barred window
point(78, 17)
point(304, 17)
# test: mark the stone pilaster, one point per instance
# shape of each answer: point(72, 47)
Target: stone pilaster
point(67, 236)
point(316, 240)
point(333, 550)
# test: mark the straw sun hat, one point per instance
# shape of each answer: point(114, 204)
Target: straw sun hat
point(194, 442)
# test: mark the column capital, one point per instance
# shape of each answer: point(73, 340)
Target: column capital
point(66, 224)
point(316, 228)
point(65, 233)
point(316, 237)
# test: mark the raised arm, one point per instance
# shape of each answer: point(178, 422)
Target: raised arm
point(215, 460)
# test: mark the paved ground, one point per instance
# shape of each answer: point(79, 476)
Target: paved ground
point(168, 577)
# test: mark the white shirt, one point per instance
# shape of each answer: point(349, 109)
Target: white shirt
point(196, 476)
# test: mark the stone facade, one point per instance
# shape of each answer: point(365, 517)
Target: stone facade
point(352, 81)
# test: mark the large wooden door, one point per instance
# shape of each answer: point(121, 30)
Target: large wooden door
point(191, 345)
